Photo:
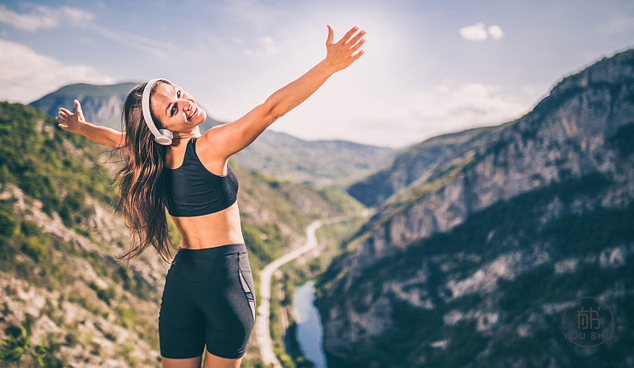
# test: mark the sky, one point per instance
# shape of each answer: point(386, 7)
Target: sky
point(429, 68)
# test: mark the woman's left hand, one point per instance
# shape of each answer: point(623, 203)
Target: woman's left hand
point(343, 53)
point(227, 139)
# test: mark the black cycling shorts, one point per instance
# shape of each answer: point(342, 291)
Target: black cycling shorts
point(208, 299)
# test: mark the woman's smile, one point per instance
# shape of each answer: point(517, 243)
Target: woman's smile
point(194, 112)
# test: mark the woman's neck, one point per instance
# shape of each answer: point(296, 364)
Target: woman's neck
point(186, 135)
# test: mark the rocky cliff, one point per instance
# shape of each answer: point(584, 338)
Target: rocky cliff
point(414, 162)
point(474, 263)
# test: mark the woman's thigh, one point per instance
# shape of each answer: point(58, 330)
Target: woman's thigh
point(181, 363)
point(211, 361)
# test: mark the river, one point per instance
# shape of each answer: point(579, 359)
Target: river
point(309, 328)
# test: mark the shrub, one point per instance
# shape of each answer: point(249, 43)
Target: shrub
point(29, 228)
point(7, 223)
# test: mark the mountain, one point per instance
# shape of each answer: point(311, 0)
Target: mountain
point(320, 163)
point(278, 154)
point(66, 300)
point(102, 104)
point(413, 162)
point(476, 263)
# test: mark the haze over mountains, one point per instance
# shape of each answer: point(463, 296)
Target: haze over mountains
point(285, 157)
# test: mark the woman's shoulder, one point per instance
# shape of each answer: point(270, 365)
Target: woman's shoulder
point(206, 148)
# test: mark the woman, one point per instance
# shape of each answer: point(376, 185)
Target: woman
point(209, 296)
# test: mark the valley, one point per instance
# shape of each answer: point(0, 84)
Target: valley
point(461, 251)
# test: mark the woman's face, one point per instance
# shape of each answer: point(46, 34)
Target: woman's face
point(176, 109)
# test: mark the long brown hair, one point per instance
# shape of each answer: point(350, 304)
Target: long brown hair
point(141, 185)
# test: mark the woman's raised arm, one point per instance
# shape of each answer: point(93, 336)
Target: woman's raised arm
point(222, 141)
point(76, 123)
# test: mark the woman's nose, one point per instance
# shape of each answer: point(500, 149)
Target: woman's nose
point(187, 104)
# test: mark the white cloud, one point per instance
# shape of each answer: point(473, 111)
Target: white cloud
point(397, 119)
point(621, 23)
point(496, 32)
point(26, 75)
point(478, 32)
point(43, 17)
point(159, 49)
point(451, 108)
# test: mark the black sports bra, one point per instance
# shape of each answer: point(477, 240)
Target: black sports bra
point(194, 191)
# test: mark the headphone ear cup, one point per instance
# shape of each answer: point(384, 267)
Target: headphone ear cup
point(165, 138)
point(167, 133)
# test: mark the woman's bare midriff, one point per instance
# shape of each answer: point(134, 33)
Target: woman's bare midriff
point(213, 230)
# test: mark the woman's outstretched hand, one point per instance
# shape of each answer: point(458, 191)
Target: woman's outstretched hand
point(343, 53)
point(76, 123)
point(227, 139)
point(69, 121)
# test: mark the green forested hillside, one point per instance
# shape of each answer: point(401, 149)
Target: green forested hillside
point(53, 166)
point(65, 298)
point(64, 295)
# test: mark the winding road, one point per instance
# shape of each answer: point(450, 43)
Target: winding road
point(262, 331)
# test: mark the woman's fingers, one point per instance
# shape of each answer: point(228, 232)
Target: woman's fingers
point(341, 54)
point(331, 35)
point(356, 47)
point(357, 55)
point(357, 38)
point(78, 110)
point(66, 112)
point(348, 35)
point(67, 119)
point(62, 122)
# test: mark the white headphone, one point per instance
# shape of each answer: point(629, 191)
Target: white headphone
point(163, 136)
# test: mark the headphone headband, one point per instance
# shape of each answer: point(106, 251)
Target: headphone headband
point(164, 136)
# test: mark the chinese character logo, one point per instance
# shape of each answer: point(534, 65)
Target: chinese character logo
point(583, 320)
point(589, 331)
